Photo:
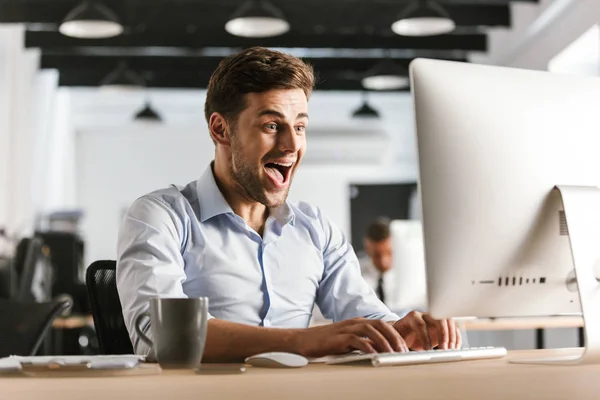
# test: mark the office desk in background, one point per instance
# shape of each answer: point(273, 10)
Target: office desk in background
point(73, 322)
point(539, 324)
point(505, 324)
point(502, 324)
point(67, 332)
point(483, 379)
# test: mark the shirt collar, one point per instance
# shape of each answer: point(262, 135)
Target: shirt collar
point(283, 214)
point(212, 202)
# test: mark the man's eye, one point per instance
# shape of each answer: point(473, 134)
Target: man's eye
point(271, 127)
point(300, 128)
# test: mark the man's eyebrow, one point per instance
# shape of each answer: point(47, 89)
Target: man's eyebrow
point(280, 115)
point(271, 112)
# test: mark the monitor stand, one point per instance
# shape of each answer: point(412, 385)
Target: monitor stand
point(582, 214)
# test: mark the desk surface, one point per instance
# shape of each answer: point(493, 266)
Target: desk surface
point(485, 379)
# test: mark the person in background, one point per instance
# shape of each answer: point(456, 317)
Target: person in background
point(377, 260)
point(233, 236)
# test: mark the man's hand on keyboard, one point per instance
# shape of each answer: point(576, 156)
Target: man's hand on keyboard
point(422, 332)
point(369, 336)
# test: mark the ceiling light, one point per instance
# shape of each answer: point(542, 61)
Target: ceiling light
point(257, 18)
point(387, 75)
point(147, 114)
point(122, 78)
point(365, 110)
point(423, 18)
point(91, 20)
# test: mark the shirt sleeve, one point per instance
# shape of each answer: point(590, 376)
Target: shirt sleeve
point(343, 292)
point(149, 262)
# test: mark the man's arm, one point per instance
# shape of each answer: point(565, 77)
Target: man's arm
point(232, 342)
point(149, 261)
point(344, 293)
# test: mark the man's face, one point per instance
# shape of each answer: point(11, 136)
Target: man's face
point(267, 144)
point(380, 253)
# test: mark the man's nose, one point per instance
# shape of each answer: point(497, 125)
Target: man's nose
point(290, 141)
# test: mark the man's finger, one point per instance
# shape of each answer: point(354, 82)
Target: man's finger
point(438, 329)
point(361, 344)
point(421, 332)
point(366, 329)
point(452, 329)
point(392, 335)
point(458, 338)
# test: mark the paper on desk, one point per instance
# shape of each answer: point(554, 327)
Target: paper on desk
point(93, 362)
point(9, 365)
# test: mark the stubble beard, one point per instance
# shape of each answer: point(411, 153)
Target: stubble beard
point(249, 180)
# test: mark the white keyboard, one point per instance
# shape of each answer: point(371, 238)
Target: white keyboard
point(420, 357)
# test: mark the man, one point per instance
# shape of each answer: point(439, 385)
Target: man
point(232, 236)
point(377, 262)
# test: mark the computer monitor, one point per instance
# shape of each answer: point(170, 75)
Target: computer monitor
point(408, 266)
point(509, 172)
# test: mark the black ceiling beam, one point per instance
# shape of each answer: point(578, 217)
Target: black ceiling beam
point(467, 42)
point(279, 3)
point(212, 14)
point(150, 63)
point(195, 72)
point(73, 77)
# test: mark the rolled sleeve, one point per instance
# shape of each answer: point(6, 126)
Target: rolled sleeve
point(149, 262)
point(343, 292)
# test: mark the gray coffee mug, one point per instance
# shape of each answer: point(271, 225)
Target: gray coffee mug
point(178, 330)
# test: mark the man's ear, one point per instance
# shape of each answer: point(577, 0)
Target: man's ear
point(219, 129)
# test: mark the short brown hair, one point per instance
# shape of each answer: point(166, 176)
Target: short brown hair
point(378, 230)
point(254, 70)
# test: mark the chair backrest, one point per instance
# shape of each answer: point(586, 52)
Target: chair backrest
point(23, 325)
point(35, 271)
point(8, 278)
point(101, 282)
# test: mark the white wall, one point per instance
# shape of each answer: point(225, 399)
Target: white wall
point(18, 68)
point(27, 98)
point(118, 160)
point(582, 57)
point(539, 32)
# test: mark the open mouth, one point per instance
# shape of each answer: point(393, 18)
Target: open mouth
point(279, 172)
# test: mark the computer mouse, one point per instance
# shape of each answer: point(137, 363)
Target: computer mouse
point(277, 360)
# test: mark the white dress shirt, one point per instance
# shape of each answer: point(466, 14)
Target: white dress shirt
point(390, 284)
point(187, 242)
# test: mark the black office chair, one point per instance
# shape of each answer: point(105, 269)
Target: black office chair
point(34, 271)
point(101, 282)
point(24, 325)
point(8, 279)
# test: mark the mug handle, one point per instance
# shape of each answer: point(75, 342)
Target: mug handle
point(142, 335)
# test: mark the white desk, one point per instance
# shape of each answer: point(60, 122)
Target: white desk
point(485, 379)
